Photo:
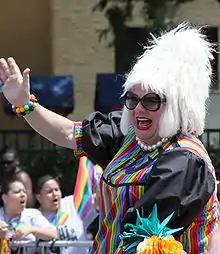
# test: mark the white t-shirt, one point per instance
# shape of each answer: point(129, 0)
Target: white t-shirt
point(70, 225)
point(29, 217)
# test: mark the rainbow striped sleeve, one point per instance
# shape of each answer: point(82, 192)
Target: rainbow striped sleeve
point(78, 136)
point(82, 196)
point(197, 237)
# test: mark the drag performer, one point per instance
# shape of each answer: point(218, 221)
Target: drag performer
point(150, 151)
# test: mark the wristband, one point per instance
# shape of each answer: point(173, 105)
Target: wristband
point(27, 108)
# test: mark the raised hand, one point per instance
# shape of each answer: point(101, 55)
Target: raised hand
point(16, 88)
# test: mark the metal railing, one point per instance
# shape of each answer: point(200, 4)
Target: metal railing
point(29, 139)
point(30, 145)
point(24, 140)
point(25, 245)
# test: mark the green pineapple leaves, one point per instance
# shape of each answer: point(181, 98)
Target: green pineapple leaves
point(145, 228)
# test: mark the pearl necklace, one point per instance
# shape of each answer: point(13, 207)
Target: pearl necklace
point(152, 147)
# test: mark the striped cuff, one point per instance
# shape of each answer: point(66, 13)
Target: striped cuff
point(78, 136)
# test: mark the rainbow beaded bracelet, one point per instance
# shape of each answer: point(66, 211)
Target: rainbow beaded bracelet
point(27, 108)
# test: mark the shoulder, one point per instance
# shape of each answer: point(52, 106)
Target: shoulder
point(178, 163)
point(104, 124)
point(22, 173)
point(67, 200)
point(178, 155)
point(193, 144)
point(101, 136)
point(115, 115)
point(67, 204)
point(182, 165)
point(23, 176)
point(31, 215)
point(31, 212)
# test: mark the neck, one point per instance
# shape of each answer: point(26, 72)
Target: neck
point(45, 210)
point(11, 213)
point(151, 147)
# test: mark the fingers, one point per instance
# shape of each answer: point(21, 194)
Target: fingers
point(17, 235)
point(4, 227)
point(2, 76)
point(13, 67)
point(9, 68)
point(4, 70)
point(26, 76)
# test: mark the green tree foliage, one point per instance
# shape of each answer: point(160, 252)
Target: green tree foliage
point(155, 13)
point(59, 162)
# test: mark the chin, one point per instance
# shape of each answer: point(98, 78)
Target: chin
point(56, 207)
point(18, 210)
point(142, 134)
point(147, 137)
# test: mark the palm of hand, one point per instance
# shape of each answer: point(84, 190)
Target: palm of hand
point(16, 87)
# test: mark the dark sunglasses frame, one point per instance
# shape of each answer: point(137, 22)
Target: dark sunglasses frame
point(157, 99)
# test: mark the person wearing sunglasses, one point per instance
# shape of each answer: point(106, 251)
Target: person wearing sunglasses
point(150, 151)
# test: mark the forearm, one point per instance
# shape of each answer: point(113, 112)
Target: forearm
point(54, 127)
point(44, 233)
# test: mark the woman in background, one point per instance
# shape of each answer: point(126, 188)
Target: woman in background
point(22, 223)
point(61, 213)
point(10, 168)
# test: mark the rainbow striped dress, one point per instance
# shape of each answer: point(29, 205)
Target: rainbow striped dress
point(123, 184)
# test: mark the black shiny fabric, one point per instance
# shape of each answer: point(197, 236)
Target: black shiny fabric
point(179, 181)
point(102, 136)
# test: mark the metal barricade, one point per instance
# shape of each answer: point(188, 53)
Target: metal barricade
point(42, 244)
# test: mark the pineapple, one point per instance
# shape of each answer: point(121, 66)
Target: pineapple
point(149, 236)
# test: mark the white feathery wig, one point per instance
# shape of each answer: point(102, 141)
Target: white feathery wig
point(177, 66)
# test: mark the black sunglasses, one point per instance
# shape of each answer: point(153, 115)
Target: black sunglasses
point(150, 101)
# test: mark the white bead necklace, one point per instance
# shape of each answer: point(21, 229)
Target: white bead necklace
point(152, 147)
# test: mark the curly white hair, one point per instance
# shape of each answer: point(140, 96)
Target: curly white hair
point(178, 66)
